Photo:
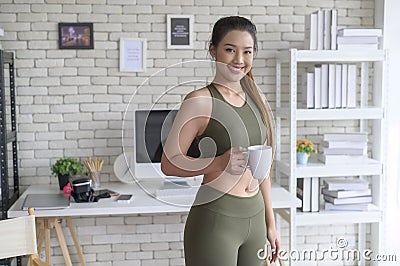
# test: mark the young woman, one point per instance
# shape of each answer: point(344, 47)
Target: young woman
point(232, 215)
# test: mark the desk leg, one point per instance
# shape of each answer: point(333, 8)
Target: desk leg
point(47, 239)
point(77, 246)
point(39, 234)
point(61, 240)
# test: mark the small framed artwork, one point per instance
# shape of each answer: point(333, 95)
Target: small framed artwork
point(75, 35)
point(132, 55)
point(179, 31)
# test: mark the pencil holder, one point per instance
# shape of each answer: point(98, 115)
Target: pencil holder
point(95, 176)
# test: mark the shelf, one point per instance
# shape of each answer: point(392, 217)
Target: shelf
point(331, 56)
point(338, 217)
point(373, 167)
point(333, 114)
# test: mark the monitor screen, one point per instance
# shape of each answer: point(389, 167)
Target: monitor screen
point(151, 131)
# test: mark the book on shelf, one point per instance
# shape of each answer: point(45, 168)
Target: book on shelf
point(357, 40)
point(338, 144)
point(310, 90)
point(345, 184)
point(338, 86)
point(352, 200)
point(317, 87)
point(334, 20)
point(343, 159)
point(324, 86)
point(315, 193)
point(310, 31)
point(359, 32)
point(343, 151)
point(357, 47)
point(350, 207)
point(346, 193)
point(331, 85)
point(327, 28)
point(320, 29)
point(351, 86)
point(351, 136)
point(344, 86)
point(304, 193)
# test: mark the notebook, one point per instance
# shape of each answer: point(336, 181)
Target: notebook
point(45, 201)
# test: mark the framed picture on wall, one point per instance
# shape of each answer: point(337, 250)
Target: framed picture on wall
point(132, 55)
point(179, 31)
point(75, 35)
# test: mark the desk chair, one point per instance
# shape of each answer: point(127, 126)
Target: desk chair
point(18, 238)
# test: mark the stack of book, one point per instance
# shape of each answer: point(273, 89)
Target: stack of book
point(347, 195)
point(344, 148)
point(320, 30)
point(308, 193)
point(330, 86)
point(358, 39)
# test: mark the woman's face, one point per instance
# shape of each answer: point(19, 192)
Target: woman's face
point(235, 52)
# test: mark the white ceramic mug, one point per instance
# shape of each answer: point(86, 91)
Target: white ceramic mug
point(260, 160)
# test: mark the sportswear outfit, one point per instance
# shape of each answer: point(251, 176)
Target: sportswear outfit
point(229, 230)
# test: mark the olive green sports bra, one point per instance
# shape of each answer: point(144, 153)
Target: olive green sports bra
point(231, 126)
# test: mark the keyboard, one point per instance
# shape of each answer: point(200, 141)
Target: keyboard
point(176, 192)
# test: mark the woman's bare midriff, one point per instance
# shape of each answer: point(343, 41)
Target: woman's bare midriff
point(236, 185)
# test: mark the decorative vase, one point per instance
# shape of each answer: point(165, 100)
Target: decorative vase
point(63, 181)
point(302, 158)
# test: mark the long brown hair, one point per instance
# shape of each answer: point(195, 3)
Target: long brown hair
point(221, 28)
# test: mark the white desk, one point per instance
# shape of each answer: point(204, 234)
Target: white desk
point(141, 202)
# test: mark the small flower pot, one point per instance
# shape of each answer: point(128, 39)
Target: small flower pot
point(63, 181)
point(302, 158)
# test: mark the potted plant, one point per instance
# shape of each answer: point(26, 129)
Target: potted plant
point(304, 147)
point(64, 168)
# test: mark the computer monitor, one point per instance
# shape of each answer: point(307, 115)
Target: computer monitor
point(151, 129)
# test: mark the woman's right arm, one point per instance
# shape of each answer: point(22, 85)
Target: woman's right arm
point(190, 121)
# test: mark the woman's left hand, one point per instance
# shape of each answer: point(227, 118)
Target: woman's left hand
point(272, 237)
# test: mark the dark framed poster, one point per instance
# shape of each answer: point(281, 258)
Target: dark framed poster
point(179, 31)
point(75, 35)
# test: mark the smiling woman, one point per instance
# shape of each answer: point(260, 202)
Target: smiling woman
point(228, 222)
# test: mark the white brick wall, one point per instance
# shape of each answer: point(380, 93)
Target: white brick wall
point(71, 102)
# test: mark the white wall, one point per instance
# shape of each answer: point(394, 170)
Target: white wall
point(71, 103)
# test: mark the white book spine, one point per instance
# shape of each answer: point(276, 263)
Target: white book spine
point(359, 32)
point(310, 90)
point(324, 86)
point(315, 194)
point(351, 86)
point(343, 159)
point(345, 184)
point(357, 47)
point(334, 29)
point(357, 40)
point(355, 136)
point(344, 144)
point(317, 87)
point(320, 30)
point(343, 151)
point(327, 29)
point(331, 85)
point(310, 32)
point(304, 193)
point(314, 32)
point(344, 86)
point(338, 86)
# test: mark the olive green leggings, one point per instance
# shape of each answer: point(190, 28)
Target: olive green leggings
point(228, 231)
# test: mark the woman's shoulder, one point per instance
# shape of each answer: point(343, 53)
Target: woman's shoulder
point(202, 92)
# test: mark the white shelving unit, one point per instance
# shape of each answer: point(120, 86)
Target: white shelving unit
point(363, 113)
